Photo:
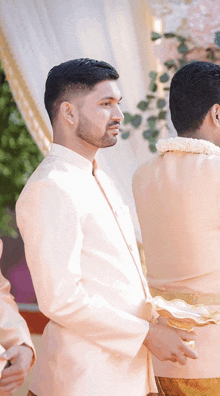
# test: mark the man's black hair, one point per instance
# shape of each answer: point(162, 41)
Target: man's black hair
point(195, 88)
point(69, 77)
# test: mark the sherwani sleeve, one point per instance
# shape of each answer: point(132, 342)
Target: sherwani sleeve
point(51, 227)
point(13, 328)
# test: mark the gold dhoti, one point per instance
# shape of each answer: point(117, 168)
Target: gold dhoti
point(188, 387)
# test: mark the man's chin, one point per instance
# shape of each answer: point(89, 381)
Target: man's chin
point(111, 142)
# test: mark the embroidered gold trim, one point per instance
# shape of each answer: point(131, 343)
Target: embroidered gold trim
point(23, 98)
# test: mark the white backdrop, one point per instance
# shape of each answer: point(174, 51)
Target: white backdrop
point(42, 33)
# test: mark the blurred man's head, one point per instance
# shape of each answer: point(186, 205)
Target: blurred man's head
point(195, 100)
point(82, 99)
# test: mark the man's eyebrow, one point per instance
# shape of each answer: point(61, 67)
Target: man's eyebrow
point(111, 98)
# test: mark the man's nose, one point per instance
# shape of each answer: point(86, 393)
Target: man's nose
point(117, 114)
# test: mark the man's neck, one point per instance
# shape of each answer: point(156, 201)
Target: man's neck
point(199, 134)
point(79, 146)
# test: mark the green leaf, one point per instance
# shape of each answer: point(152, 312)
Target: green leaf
point(147, 134)
point(153, 87)
point(182, 49)
point(170, 63)
point(153, 75)
point(164, 78)
point(211, 55)
point(152, 147)
point(155, 134)
point(151, 139)
point(152, 118)
point(152, 122)
point(162, 115)
point(155, 36)
point(217, 39)
point(136, 120)
point(169, 35)
point(181, 39)
point(149, 97)
point(127, 118)
point(161, 103)
point(125, 135)
point(143, 105)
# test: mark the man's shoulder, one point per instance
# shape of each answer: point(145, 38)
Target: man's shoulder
point(55, 170)
point(141, 174)
point(53, 173)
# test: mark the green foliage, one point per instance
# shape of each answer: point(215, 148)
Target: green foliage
point(164, 78)
point(183, 49)
point(155, 36)
point(217, 39)
point(155, 106)
point(136, 121)
point(161, 103)
point(127, 118)
point(142, 105)
point(19, 156)
point(125, 135)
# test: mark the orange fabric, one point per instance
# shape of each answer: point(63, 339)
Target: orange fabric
point(188, 387)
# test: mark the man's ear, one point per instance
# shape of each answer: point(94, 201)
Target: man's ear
point(69, 112)
point(215, 114)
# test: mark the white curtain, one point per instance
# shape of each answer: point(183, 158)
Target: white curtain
point(38, 34)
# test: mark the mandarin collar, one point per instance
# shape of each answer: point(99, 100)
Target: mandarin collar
point(187, 145)
point(71, 156)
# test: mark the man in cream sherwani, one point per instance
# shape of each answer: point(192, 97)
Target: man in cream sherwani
point(15, 339)
point(81, 251)
point(177, 196)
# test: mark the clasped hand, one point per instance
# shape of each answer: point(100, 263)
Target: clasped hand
point(13, 376)
point(167, 343)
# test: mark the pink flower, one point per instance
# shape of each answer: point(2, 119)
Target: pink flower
point(203, 19)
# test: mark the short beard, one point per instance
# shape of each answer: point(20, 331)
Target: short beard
point(83, 131)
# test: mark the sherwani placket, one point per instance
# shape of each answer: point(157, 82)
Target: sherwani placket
point(122, 229)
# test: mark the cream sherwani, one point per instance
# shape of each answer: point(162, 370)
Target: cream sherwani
point(177, 196)
point(82, 254)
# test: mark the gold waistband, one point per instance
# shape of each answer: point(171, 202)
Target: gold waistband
point(193, 298)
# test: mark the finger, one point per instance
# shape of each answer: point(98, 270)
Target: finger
point(10, 389)
point(189, 352)
point(180, 358)
point(9, 380)
point(10, 353)
point(11, 371)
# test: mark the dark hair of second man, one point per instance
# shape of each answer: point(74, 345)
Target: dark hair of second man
point(195, 88)
point(73, 76)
